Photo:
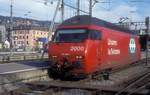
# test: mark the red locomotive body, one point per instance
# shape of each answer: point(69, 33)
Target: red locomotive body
point(83, 45)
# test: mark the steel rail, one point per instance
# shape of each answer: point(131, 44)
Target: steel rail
point(133, 83)
point(137, 89)
point(49, 86)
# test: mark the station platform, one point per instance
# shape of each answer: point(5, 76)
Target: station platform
point(17, 67)
point(10, 53)
point(23, 66)
point(27, 70)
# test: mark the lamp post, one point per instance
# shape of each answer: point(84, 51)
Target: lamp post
point(91, 5)
point(11, 25)
point(147, 23)
point(78, 7)
point(90, 8)
point(53, 20)
point(26, 29)
point(62, 10)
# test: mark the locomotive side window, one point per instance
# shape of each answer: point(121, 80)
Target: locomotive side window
point(94, 35)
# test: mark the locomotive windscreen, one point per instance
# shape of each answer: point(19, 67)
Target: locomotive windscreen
point(70, 35)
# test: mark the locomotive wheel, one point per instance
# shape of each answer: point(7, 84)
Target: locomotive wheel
point(106, 74)
point(53, 74)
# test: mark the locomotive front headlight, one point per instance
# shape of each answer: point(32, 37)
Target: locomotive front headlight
point(54, 56)
point(79, 57)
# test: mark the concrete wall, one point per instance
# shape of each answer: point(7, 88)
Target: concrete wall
point(6, 81)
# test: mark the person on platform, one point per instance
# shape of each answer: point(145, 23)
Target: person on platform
point(45, 50)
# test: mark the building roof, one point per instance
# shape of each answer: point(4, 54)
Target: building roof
point(24, 27)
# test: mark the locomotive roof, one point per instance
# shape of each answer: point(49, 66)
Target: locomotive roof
point(87, 20)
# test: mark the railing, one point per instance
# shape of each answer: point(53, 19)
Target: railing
point(6, 57)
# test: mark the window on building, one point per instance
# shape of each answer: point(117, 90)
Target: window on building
point(20, 32)
point(27, 32)
point(27, 37)
point(15, 38)
point(20, 37)
point(27, 42)
point(21, 42)
point(18, 42)
point(15, 32)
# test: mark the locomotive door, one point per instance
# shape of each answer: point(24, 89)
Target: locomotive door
point(95, 36)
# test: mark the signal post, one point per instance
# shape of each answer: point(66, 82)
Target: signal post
point(147, 23)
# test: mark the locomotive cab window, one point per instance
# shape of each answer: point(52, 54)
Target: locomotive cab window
point(70, 35)
point(94, 35)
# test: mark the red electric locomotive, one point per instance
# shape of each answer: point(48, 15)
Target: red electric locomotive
point(83, 45)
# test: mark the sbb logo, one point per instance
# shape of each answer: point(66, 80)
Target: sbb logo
point(132, 46)
point(76, 48)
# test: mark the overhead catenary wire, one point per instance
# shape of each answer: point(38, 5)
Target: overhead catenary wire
point(75, 8)
point(53, 20)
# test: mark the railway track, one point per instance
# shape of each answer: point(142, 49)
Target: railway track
point(46, 90)
point(94, 87)
point(9, 87)
point(136, 86)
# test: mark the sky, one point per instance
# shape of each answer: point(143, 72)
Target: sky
point(135, 10)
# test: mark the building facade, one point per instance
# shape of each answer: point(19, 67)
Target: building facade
point(29, 37)
point(2, 33)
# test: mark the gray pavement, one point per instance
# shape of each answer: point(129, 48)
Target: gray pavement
point(16, 67)
point(143, 55)
point(17, 53)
